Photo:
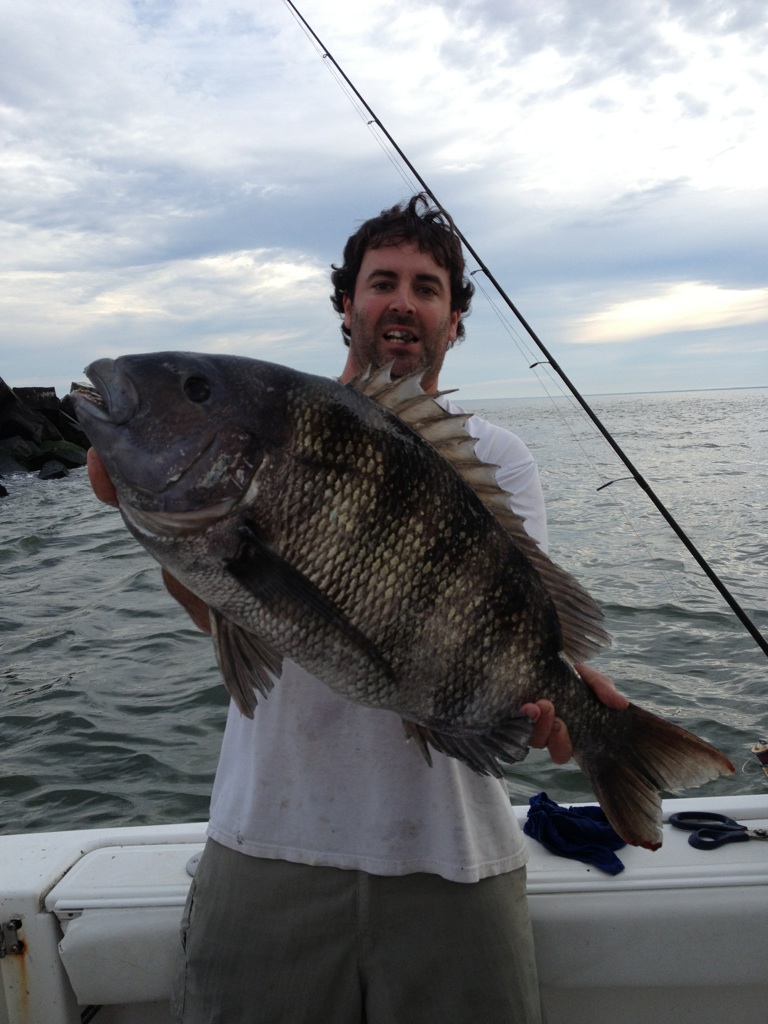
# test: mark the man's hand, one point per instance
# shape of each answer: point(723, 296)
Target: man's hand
point(102, 486)
point(193, 605)
point(551, 732)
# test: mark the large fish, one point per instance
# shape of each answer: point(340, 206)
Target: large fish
point(352, 529)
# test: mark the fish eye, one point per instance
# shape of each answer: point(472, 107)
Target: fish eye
point(197, 389)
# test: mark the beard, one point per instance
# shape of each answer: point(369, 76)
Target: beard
point(370, 348)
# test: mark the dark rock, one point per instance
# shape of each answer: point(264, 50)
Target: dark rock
point(9, 466)
point(39, 432)
point(53, 470)
point(67, 422)
point(59, 413)
point(69, 455)
point(3, 492)
point(17, 418)
point(72, 455)
point(38, 399)
point(18, 448)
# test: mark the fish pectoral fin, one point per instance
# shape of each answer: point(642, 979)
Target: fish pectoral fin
point(246, 662)
point(481, 749)
point(277, 584)
point(417, 733)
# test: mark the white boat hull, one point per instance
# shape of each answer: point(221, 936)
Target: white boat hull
point(681, 935)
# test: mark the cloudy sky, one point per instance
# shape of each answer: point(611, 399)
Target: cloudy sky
point(181, 174)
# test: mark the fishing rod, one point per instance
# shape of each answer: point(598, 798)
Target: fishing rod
point(719, 585)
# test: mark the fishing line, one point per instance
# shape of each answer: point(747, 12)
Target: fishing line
point(360, 100)
point(552, 387)
point(356, 100)
point(549, 384)
point(571, 417)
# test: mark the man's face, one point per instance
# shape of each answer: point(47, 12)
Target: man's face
point(401, 312)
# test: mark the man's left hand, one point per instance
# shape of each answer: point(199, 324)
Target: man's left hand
point(551, 732)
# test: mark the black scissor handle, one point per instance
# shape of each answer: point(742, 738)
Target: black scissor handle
point(711, 838)
point(695, 821)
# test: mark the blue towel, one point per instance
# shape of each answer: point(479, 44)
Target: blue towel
point(582, 833)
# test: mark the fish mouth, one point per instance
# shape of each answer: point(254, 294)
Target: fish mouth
point(112, 399)
point(84, 395)
point(89, 393)
point(113, 416)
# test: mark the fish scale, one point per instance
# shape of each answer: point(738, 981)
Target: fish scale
point(351, 529)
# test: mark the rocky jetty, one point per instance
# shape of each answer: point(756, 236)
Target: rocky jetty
point(39, 433)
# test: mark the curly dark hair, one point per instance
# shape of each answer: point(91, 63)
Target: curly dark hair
point(417, 221)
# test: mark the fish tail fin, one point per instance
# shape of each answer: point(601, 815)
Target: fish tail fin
point(653, 756)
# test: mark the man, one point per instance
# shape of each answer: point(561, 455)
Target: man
point(345, 880)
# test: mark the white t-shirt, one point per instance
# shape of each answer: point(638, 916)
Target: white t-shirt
point(316, 779)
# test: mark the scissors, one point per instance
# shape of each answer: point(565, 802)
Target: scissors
point(711, 830)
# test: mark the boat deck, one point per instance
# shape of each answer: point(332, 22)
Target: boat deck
point(680, 935)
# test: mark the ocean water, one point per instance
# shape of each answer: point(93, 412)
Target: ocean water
point(111, 709)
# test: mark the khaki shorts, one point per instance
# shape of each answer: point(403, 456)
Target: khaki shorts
point(271, 942)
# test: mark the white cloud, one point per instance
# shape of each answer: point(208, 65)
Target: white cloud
point(192, 292)
point(691, 306)
point(162, 163)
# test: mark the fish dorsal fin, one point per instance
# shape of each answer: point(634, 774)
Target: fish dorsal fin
point(580, 616)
